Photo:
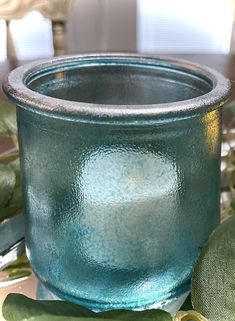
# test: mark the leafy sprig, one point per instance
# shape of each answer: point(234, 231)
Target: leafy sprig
point(10, 180)
point(10, 189)
point(8, 126)
point(20, 308)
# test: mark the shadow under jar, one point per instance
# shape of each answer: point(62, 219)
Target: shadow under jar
point(120, 157)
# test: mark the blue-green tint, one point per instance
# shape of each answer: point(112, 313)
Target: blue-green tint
point(116, 212)
point(115, 216)
point(112, 83)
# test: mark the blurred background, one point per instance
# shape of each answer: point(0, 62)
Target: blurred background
point(32, 29)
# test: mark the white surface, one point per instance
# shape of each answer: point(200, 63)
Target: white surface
point(184, 26)
point(32, 37)
point(154, 26)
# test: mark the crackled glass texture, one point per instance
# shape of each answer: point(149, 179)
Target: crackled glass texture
point(116, 213)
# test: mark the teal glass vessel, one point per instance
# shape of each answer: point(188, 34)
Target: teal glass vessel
point(120, 156)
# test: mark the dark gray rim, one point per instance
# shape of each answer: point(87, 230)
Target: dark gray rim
point(26, 98)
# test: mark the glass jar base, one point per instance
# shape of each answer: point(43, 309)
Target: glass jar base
point(171, 305)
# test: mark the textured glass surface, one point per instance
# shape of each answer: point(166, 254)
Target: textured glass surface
point(121, 84)
point(120, 174)
point(116, 214)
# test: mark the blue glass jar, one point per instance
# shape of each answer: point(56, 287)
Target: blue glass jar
point(120, 157)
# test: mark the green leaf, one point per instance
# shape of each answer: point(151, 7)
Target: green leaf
point(7, 184)
point(61, 318)
point(8, 125)
point(232, 204)
point(231, 106)
point(8, 212)
point(21, 262)
point(17, 307)
point(213, 282)
point(187, 305)
point(16, 197)
point(153, 315)
point(18, 274)
point(18, 269)
point(15, 166)
point(10, 189)
point(9, 156)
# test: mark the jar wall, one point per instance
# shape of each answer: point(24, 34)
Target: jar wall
point(116, 214)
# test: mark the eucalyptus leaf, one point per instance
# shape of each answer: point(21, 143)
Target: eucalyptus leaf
point(232, 204)
point(17, 307)
point(16, 196)
point(7, 184)
point(10, 189)
point(15, 166)
point(21, 262)
point(60, 318)
point(8, 212)
point(9, 156)
point(231, 107)
point(15, 201)
point(213, 281)
point(18, 274)
point(8, 125)
point(147, 315)
point(187, 305)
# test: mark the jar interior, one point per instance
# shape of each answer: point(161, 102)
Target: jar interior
point(119, 83)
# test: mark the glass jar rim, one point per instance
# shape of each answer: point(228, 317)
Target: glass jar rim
point(15, 86)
